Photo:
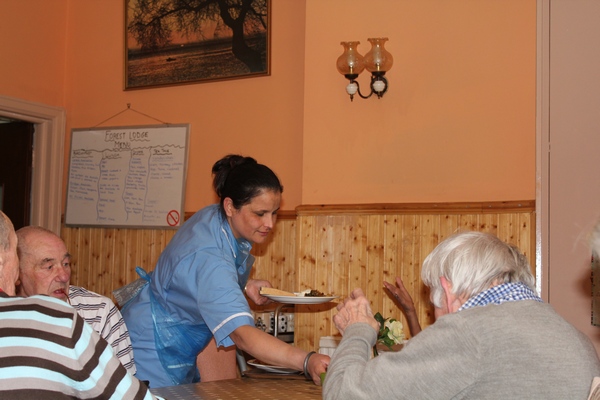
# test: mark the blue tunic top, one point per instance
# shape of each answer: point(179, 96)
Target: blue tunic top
point(195, 293)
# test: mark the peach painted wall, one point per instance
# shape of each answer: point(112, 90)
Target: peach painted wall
point(32, 44)
point(260, 117)
point(458, 122)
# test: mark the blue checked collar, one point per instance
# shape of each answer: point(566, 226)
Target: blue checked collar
point(500, 294)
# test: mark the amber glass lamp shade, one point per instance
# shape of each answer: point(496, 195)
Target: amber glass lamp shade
point(351, 61)
point(378, 59)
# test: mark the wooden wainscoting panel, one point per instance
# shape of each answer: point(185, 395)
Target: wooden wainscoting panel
point(275, 259)
point(333, 248)
point(342, 250)
point(104, 259)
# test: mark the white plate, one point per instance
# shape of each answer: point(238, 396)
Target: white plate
point(272, 368)
point(300, 299)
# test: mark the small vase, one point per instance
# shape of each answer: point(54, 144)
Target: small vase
point(379, 347)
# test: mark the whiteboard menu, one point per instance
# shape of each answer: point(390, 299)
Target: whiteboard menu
point(127, 176)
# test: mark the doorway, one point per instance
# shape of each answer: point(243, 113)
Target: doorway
point(16, 155)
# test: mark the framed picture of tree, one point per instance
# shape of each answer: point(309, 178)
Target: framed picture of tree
point(176, 42)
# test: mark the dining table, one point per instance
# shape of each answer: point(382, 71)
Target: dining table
point(259, 387)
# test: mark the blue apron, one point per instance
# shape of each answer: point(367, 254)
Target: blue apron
point(178, 343)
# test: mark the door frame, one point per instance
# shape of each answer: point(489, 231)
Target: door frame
point(542, 149)
point(48, 157)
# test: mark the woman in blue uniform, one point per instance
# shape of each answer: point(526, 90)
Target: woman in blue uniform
point(196, 291)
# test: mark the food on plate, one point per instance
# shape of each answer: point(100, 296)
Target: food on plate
point(314, 293)
point(276, 292)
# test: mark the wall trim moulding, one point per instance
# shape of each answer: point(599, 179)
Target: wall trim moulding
point(48, 156)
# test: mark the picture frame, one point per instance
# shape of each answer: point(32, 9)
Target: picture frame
point(168, 43)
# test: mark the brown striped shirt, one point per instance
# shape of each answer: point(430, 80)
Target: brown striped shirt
point(47, 351)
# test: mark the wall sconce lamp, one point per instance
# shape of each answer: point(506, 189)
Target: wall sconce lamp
point(377, 61)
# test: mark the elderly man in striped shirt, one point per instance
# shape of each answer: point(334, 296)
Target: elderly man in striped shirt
point(45, 268)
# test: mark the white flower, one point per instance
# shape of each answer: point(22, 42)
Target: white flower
point(396, 333)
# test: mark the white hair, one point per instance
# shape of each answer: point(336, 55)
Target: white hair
point(473, 262)
point(6, 228)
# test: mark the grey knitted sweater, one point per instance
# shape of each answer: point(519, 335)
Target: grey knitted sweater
point(515, 350)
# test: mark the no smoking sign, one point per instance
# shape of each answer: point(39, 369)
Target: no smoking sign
point(173, 218)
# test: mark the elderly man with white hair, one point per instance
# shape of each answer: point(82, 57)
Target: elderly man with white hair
point(45, 268)
point(493, 336)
